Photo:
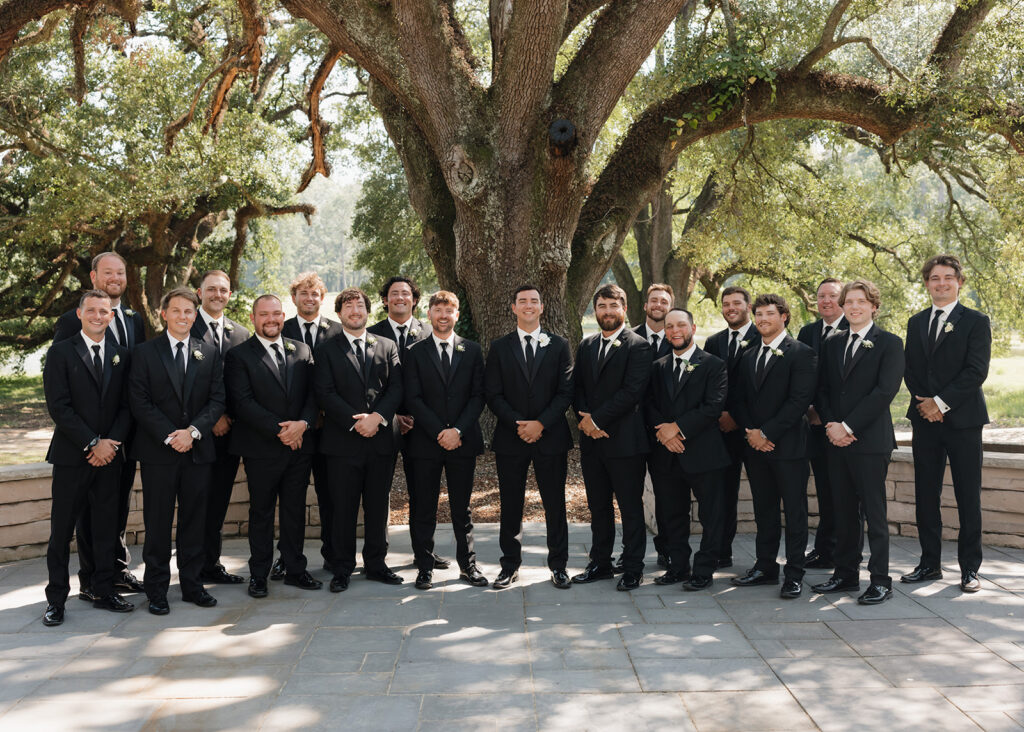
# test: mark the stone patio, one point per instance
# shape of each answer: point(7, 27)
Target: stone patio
point(531, 657)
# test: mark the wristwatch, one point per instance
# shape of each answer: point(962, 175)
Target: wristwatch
point(91, 445)
point(194, 432)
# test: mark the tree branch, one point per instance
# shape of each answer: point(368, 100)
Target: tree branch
point(577, 12)
point(952, 44)
point(16, 14)
point(318, 128)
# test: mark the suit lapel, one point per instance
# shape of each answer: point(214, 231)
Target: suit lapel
point(538, 354)
point(434, 358)
point(85, 354)
point(164, 350)
point(948, 326)
point(595, 354)
point(684, 377)
point(784, 347)
point(922, 329)
point(517, 352)
point(613, 347)
point(350, 354)
point(861, 351)
point(456, 355)
point(370, 354)
point(191, 369)
point(108, 367)
point(263, 355)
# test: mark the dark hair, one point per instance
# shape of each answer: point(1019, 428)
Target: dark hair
point(351, 293)
point(264, 296)
point(943, 260)
point(99, 257)
point(829, 281)
point(89, 294)
point(526, 288)
point(772, 299)
point(736, 290)
point(184, 292)
point(660, 286)
point(683, 310)
point(393, 280)
point(610, 292)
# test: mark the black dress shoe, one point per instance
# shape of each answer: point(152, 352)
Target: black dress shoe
point(593, 573)
point(663, 561)
point(505, 579)
point(472, 575)
point(54, 615)
point(836, 584)
point(697, 582)
point(201, 598)
point(791, 589)
point(440, 562)
point(672, 577)
point(339, 583)
point(424, 579)
point(969, 581)
point(258, 587)
point(277, 571)
point(128, 581)
point(629, 581)
point(304, 581)
point(618, 568)
point(922, 574)
point(560, 579)
point(875, 595)
point(159, 606)
point(220, 576)
point(755, 577)
point(384, 575)
point(815, 560)
point(85, 593)
point(114, 603)
point(724, 563)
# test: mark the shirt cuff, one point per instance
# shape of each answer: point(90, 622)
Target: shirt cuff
point(383, 422)
point(943, 407)
point(847, 428)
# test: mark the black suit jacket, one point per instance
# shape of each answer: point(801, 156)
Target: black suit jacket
point(694, 403)
point(777, 405)
point(718, 345)
point(664, 347)
point(343, 390)
point(417, 332)
point(436, 405)
point(81, 408)
point(613, 393)
point(810, 334)
point(328, 329)
point(860, 393)
point(543, 394)
point(954, 369)
point(69, 325)
point(263, 399)
point(159, 407)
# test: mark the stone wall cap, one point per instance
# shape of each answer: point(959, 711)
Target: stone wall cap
point(1011, 460)
point(25, 472)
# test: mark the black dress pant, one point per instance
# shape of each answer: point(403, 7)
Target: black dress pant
point(324, 506)
point(672, 491)
point(83, 528)
point(772, 481)
point(163, 484)
point(280, 483)
point(736, 445)
point(222, 483)
point(458, 472)
point(622, 479)
point(932, 443)
point(89, 494)
point(825, 535)
point(353, 479)
point(858, 490)
point(550, 471)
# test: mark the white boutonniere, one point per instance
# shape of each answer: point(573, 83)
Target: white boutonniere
point(460, 348)
point(414, 331)
point(198, 355)
point(290, 347)
point(616, 343)
point(948, 328)
point(370, 340)
point(867, 344)
point(744, 344)
point(129, 313)
point(690, 367)
point(116, 359)
point(323, 324)
point(543, 340)
point(777, 352)
point(228, 327)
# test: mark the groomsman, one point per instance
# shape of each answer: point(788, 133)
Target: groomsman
point(948, 349)
point(444, 391)
point(309, 326)
point(270, 381)
point(610, 380)
point(85, 383)
point(400, 296)
point(216, 329)
point(729, 345)
point(528, 382)
point(127, 328)
point(176, 395)
point(684, 400)
point(358, 384)
point(860, 371)
point(814, 335)
point(776, 384)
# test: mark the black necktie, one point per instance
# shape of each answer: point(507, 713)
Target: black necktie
point(360, 357)
point(933, 330)
point(216, 335)
point(529, 353)
point(446, 361)
point(849, 350)
point(761, 361)
point(179, 363)
point(279, 358)
point(604, 350)
point(308, 337)
point(654, 342)
point(734, 344)
point(828, 329)
point(122, 336)
point(677, 372)
point(97, 364)
point(401, 337)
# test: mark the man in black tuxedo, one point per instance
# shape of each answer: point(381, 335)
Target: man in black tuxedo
point(814, 335)
point(85, 383)
point(528, 382)
point(684, 400)
point(610, 380)
point(269, 379)
point(400, 296)
point(948, 348)
point(176, 395)
point(860, 371)
point(729, 345)
point(216, 329)
point(127, 328)
point(776, 385)
point(444, 392)
point(358, 384)
point(309, 326)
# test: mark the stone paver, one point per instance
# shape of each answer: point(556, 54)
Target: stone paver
point(528, 658)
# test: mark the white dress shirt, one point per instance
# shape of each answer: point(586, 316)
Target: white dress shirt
point(943, 315)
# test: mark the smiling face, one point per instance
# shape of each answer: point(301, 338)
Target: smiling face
point(110, 276)
point(353, 315)
point(267, 317)
point(179, 315)
point(679, 330)
point(828, 301)
point(307, 301)
point(443, 316)
point(528, 308)
point(943, 285)
point(659, 302)
point(859, 310)
point(610, 314)
point(95, 315)
point(400, 302)
point(735, 310)
point(769, 322)
point(214, 293)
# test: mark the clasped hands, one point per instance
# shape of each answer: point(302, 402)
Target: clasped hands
point(668, 434)
point(291, 433)
point(367, 424)
point(529, 430)
point(928, 408)
point(759, 442)
point(590, 429)
point(838, 435)
point(102, 453)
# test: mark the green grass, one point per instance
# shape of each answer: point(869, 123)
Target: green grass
point(22, 404)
